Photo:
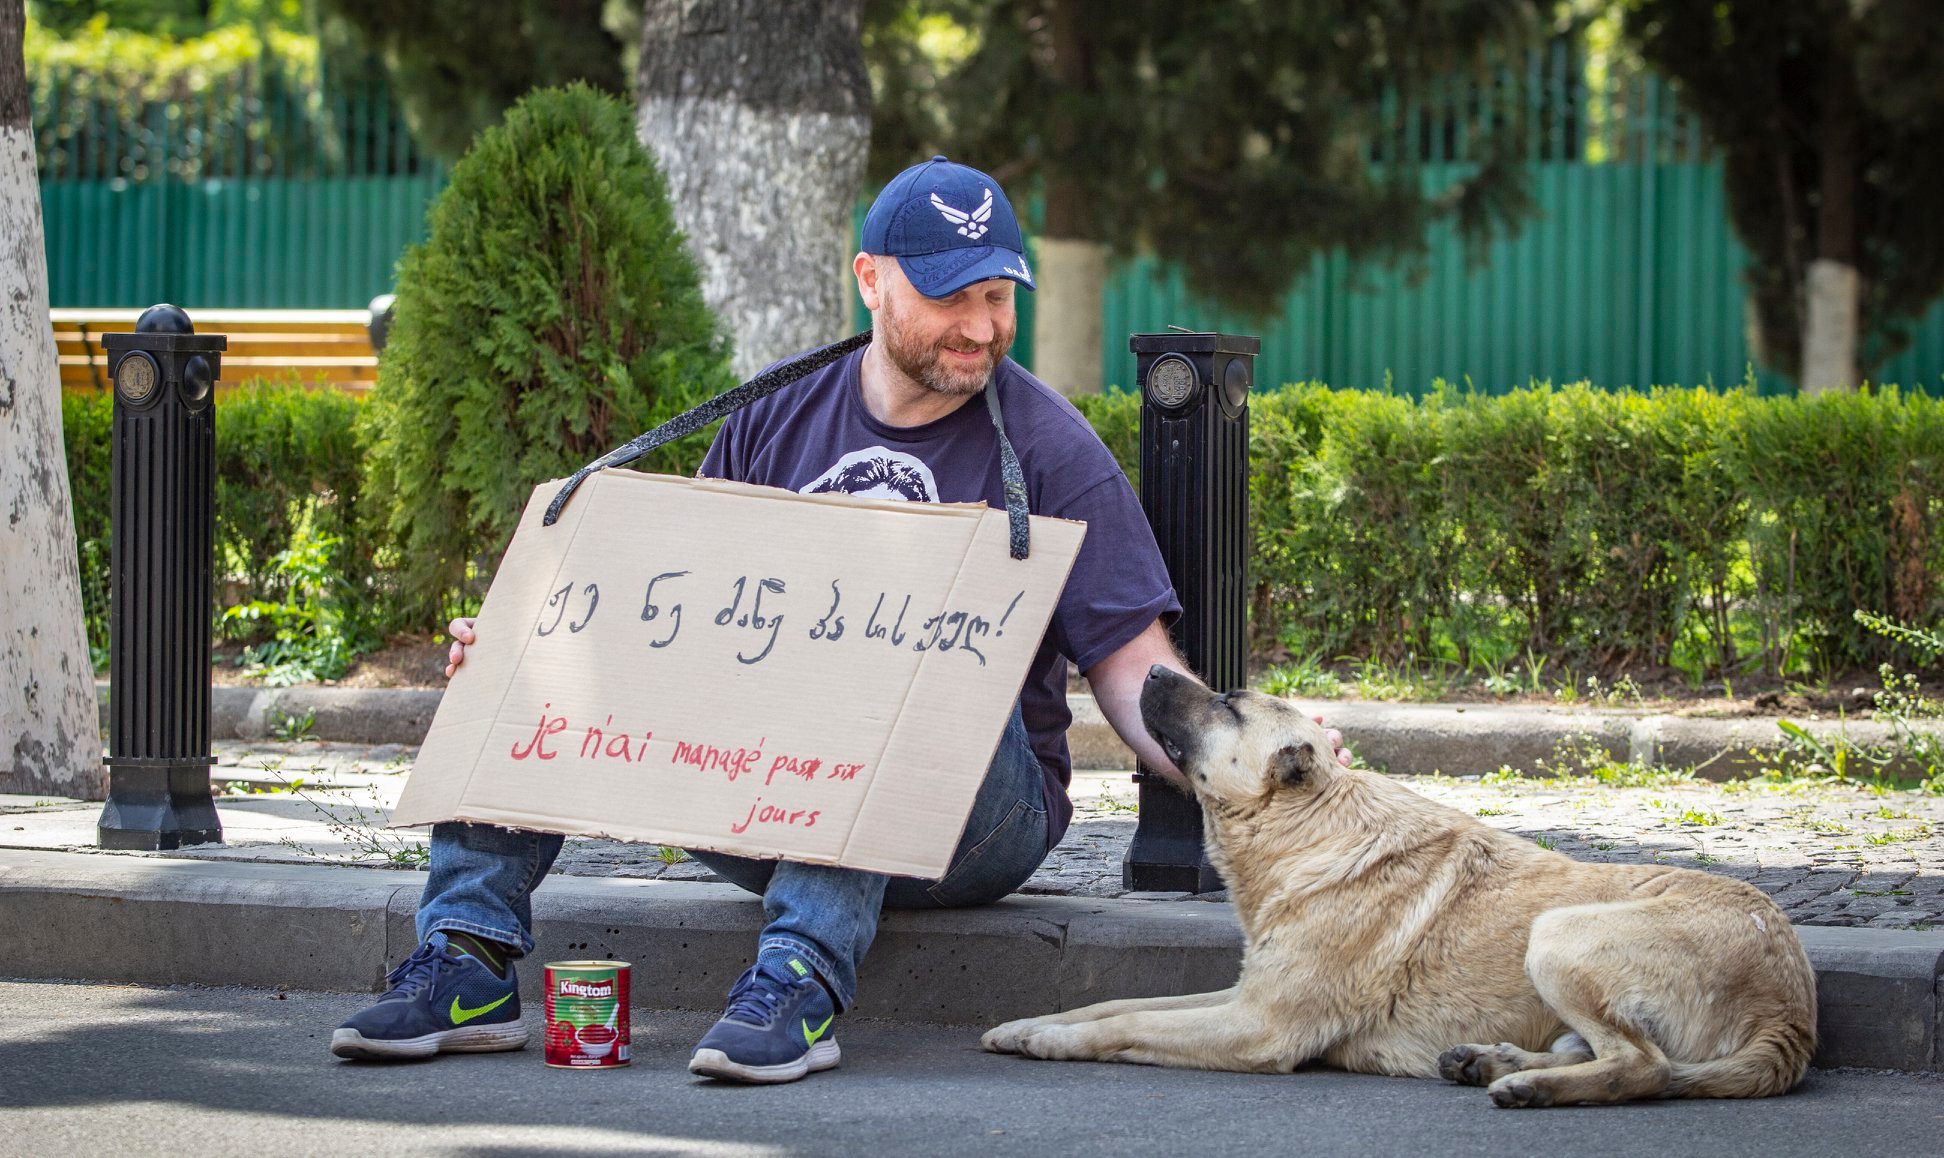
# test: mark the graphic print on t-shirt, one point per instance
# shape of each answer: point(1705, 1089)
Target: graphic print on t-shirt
point(880, 473)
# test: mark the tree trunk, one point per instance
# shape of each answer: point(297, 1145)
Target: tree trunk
point(759, 115)
point(1066, 324)
point(1832, 290)
point(50, 735)
point(1829, 340)
point(1072, 262)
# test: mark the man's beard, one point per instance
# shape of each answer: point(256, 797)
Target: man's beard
point(923, 363)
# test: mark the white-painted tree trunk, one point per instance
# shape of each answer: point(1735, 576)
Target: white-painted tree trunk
point(1829, 339)
point(50, 737)
point(1067, 315)
point(759, 115)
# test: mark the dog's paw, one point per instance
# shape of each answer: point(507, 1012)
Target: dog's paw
point(1006, 1038)
point(1055, 1043)
point(1480, 1065)
point(1460, 1064)
point(1520, 1093)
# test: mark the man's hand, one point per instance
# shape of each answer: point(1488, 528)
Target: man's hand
point(1116, 683)
point(462, 634)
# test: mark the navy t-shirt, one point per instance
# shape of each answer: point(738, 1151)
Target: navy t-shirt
point(816, 435)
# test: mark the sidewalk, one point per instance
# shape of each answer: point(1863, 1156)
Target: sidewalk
point(293, 897)
point(1830, 853)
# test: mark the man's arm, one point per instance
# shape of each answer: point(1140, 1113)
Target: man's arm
point(1117, 681)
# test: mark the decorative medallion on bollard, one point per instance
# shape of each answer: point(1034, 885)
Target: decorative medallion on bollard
point(1195, 490)
point(164, 464)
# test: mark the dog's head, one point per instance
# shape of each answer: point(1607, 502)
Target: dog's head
point(1238, 750)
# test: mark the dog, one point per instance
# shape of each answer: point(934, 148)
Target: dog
point(1388, 934)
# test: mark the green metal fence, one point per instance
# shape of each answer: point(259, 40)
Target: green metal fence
point(275, 190)
point(269, 187)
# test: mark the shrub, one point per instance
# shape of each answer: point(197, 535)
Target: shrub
point(1844, 489)
point(286, 467)
point(286, 460)
point(1366, 533)
point(1116, 418)
point(1596, 530)
point(550, 315)
point(315, 629)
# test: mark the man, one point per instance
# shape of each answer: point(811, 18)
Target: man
point(942, 259)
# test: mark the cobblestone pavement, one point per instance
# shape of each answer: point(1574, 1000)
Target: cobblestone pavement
point(1829, 853)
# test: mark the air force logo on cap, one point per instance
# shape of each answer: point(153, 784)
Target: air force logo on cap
point(949, 226)
point(973, 224)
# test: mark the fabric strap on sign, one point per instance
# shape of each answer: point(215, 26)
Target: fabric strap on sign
point(769, 382)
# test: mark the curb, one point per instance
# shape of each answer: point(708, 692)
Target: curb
point(1420, 739)
point(1410, 739)
point(160, 921)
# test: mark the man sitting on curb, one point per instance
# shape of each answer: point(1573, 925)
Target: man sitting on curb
point(942, 256)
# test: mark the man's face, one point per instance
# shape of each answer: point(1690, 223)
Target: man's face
point(949, 345)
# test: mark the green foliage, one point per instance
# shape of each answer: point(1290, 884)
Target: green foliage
point(85, 422)
point(1305, 679)
point(1843, 490)
point(1580, 531)
point(287, 470)
point(1116, 418)
point(457, 65)
point(1827, 118)
point(1238, 142)
point(128, 82)
point(240, 95)
point(314, 631)
point(1588, 513)
point(1366, 530)
point(173, 18)
point(289, 728)
point(286, 474)
point(551, 315)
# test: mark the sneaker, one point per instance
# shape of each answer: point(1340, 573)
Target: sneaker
point(774, 1029)
point(441, 1001)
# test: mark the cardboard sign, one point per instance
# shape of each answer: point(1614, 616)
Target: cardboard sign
point(708, 664)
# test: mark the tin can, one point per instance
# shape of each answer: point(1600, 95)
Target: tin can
point(587, 1014)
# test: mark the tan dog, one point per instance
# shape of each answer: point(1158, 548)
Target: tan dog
point(1382, 930)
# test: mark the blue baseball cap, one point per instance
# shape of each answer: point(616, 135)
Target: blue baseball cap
point(949, 226)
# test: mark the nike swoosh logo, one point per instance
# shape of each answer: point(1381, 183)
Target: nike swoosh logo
point(461, 1015)
point(810, 1036)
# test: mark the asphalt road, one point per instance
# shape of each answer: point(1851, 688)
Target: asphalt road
point(104, 1069)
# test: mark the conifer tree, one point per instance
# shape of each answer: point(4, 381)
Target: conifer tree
point(457, 64)
point(551, 314)
point(1235, 140)
point(1829, 116)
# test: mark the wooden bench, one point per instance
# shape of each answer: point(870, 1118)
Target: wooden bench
point(321, 347)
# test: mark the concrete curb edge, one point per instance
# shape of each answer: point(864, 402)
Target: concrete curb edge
point(161, 921)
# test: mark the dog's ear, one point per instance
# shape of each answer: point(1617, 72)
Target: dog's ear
point(1292, 764)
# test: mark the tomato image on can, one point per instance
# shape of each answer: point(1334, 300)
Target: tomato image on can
point(587, 1014)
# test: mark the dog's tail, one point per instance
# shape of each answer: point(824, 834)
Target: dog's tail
point(1770, 1063)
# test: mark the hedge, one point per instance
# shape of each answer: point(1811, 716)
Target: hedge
point(286, 466)
point(1605, 531)
point(1714, 531)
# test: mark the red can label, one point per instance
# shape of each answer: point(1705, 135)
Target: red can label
point(587, 1014)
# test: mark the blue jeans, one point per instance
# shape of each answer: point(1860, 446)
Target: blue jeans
point(482, 877)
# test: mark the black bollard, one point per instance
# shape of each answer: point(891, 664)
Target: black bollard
point(164, 514)
point(1195, 490)
point(379, 327)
